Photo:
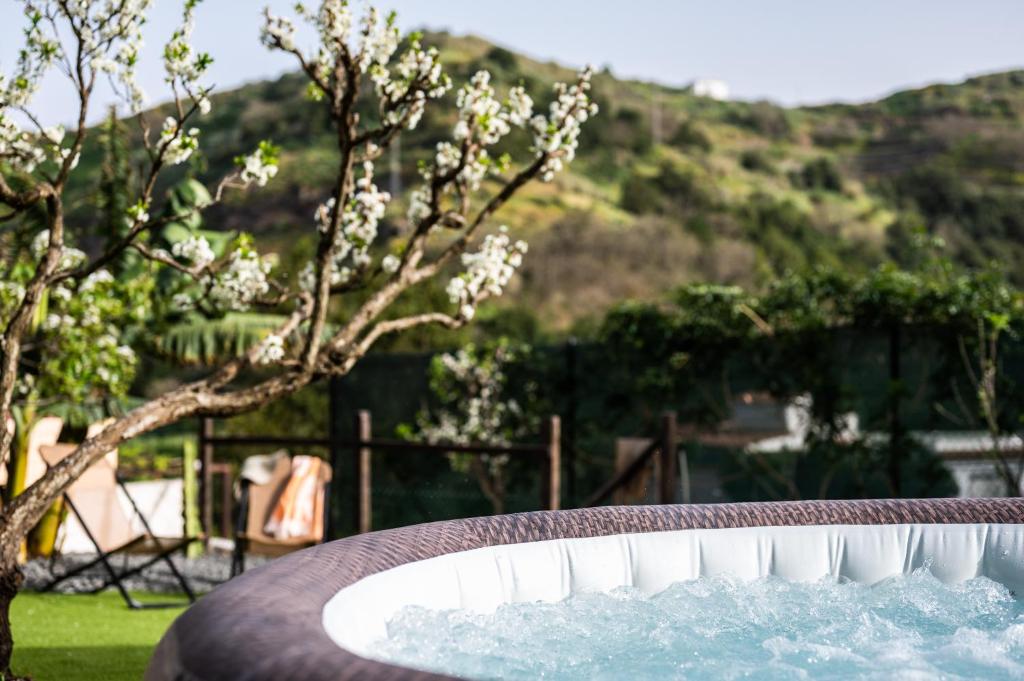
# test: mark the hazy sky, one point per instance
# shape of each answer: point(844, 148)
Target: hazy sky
point(791, 51)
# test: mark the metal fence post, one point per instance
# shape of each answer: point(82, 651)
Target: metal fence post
point(206, 477)
point(667, 458)
point(364, 472)
point(335, 456)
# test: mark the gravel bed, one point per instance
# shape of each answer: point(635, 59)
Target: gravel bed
point(203, 573)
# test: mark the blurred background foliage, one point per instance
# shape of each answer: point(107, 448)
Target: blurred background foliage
point(697, 248)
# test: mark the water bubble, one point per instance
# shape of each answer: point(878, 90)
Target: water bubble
point(906, 627)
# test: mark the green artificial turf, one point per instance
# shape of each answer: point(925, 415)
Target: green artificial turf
point(86, 637)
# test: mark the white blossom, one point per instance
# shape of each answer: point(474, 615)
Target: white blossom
point(242, 282)
point(125, 352)
point(520, 106)
point(487, 273)
point(137, 214)
point(97, 278)
point(403, 87)
point(178, 144)
point(183, 64)
point(260, 166)
point(419, 205)
point(480, 112)
point(418, 76)
point(447, 158)
point(277, 31)
point(269, 351)
point(477, 409)
point(69, 257)
point(557, 134)
point(357, 229)
point(380, 39)
point(19, 148)
point(390, 263)
point(307, 277)
point(27, 151)
point(195, 250)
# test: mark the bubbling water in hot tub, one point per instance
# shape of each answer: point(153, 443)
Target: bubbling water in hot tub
point(912, 626)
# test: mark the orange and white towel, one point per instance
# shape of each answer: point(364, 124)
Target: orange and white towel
point(295, 515)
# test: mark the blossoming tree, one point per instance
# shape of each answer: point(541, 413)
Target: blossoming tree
point(476, 406)
point(355, 59)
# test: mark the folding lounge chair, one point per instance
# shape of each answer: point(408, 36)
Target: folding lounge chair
point(255, 506)
point(93, 499)
point(44, 432)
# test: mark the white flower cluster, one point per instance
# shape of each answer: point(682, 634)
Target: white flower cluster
point(194, 250)
point(40, 51)
point(557, 134)
point(17, 147)
point(277, 31)
point(178, 144)
point(94, 280)
point(137, 214)
point(242, 282)
point(81, 352)
point(334, 22)
point(183, 65)
point(69, 257)
point(519, 106)
point(390, 263)
point(447, 158)
point(480, 109)
point(419, 205)
point(110, 34)
point(358, 229)
point(380, 40)
point(26, 151)
point(260, 166)
point(271, 350)
point(487, 273)
point(416, 78)
point(483, 121)
point(478, 411)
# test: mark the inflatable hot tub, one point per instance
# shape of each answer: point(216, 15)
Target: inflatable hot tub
point(317, 614)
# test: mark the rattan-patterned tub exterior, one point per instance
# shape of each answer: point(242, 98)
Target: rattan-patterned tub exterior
point(266, 624)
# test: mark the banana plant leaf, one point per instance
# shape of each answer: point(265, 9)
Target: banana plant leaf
point(202, 341)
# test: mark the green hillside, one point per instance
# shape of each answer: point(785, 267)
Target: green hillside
point(671, 188)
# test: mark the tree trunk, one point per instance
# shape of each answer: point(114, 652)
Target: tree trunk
point(11, 578)
point(494, 493)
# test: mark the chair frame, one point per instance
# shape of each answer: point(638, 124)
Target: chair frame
point(115, 578)
point(242, 525)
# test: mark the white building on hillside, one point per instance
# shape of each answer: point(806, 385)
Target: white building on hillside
point(711, 88)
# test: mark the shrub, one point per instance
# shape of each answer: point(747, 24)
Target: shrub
point(821, 173)
point(763, 118)
point(689, 136)
point(756, 161)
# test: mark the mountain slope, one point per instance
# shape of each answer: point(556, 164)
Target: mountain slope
point(670, 187)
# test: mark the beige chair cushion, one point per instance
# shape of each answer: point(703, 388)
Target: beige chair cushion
point(45, 432)
point(95, 497)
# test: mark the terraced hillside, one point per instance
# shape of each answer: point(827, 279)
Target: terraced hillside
point(671, 188)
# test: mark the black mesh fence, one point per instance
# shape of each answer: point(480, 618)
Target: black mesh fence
point(599, 398)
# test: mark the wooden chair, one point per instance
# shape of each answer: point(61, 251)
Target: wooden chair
point(255, 506)
point(93, 499)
